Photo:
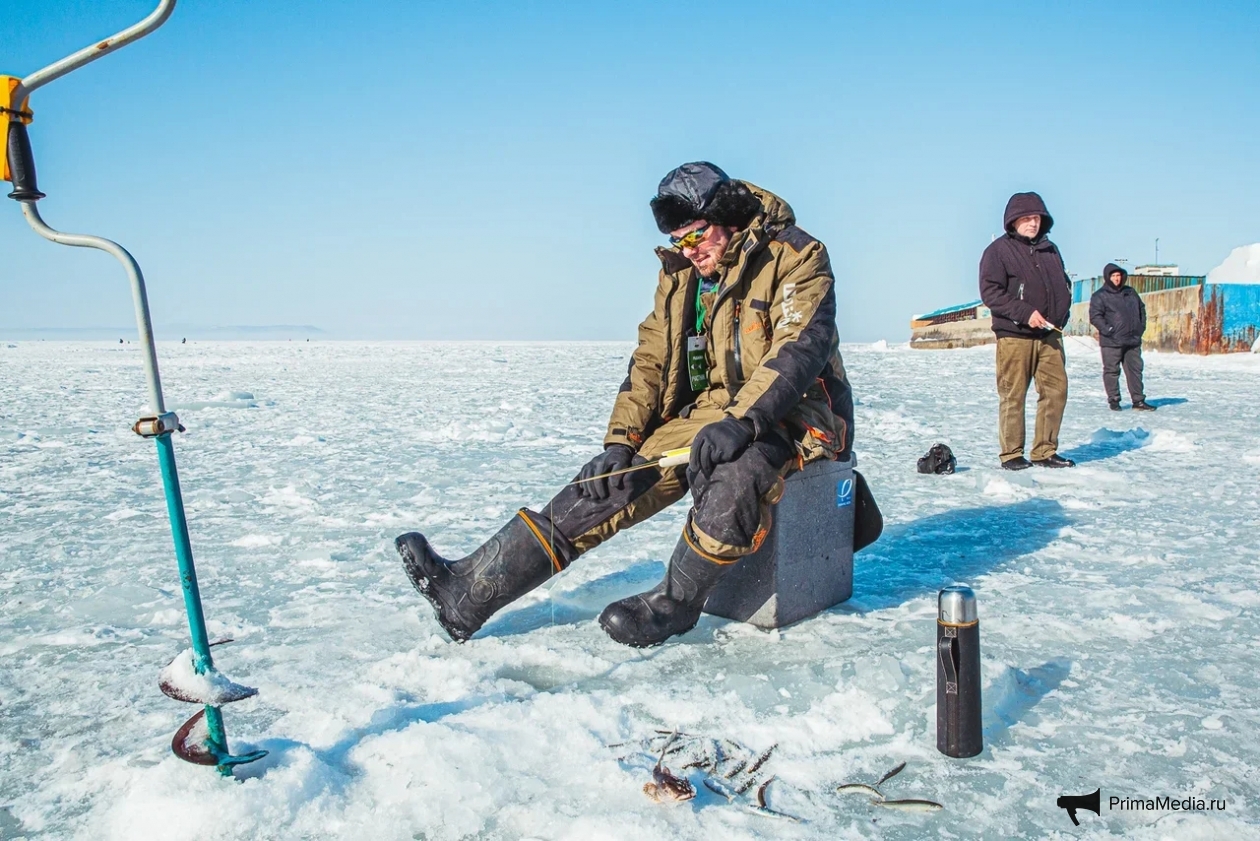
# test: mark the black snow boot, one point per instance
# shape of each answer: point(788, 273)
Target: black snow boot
point(671, 607)
point(467, 592)
point(1114, 404)
point(1143, 406)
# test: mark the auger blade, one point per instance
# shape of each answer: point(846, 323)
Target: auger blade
point(192, 744)
point(179, 680)
point(235, 692)
point(192, 741)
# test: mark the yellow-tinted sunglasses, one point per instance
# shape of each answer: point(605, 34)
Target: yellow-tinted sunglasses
point(690, 239)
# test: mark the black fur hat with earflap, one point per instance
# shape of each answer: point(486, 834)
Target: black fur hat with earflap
point(701, 190)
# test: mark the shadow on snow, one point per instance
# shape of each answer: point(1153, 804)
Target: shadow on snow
point(916, 559)
point(1014, 693)
point(280, 752)
point(582, 603)
point(1108, 443)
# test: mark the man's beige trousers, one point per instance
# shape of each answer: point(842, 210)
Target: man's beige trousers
point(1020, 362)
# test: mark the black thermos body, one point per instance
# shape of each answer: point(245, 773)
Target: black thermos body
point(958, 726)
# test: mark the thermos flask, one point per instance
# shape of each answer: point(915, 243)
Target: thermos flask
point(958, 727)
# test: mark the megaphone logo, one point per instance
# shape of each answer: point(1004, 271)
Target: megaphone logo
point(1072, 802)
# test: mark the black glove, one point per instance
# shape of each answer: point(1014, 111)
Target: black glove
point(614, 457)
point(720, 442)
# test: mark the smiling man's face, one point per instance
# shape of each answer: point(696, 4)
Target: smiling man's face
point(706, 253)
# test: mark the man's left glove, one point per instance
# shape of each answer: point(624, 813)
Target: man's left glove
point(720, 442)
point(614, 457)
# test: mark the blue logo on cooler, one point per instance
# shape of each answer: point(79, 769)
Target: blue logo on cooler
point(844, 493)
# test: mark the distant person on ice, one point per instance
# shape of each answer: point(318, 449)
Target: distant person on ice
point(1023, 283)
point(1119, 315)
point(739, 359)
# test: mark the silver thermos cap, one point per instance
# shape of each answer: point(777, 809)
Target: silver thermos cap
point(956, 605)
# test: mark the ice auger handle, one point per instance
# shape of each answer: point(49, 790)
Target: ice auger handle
point(21, 163)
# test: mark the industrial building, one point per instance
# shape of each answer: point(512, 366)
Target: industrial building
point(1184, 313)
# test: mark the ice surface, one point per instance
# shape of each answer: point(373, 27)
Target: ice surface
point(1120, 605)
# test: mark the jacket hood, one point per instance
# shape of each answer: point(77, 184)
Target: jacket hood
point(1027, 204)
point(1112, 267)
point(775, 212)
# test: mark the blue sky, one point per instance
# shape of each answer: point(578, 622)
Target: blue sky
point(404, 170)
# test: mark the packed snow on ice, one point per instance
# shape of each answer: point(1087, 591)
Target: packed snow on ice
point(1119, 605)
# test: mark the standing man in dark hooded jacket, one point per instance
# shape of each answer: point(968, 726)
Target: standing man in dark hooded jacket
point(1024, 285)
point(739, 359)
point(1117, 312)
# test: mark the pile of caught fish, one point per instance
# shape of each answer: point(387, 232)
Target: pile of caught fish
point(737, 773)
point(731, 770)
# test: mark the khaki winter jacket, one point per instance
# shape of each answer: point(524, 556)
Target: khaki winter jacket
point(773, 349)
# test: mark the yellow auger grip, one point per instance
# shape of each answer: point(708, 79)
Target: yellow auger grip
point(673, 458)
point(9, 110)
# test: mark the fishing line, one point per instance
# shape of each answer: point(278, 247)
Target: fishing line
point(1073, 336)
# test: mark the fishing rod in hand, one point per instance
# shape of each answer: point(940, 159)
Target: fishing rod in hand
point(669, 458)
point(1071, 336)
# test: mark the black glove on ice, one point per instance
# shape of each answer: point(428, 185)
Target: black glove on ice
point(614, 457)
point(720, 442)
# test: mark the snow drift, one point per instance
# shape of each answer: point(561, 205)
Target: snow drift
point(1241, 266)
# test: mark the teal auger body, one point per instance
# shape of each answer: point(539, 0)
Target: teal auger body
point(215, 744)
point(202, 739)
point(183, 553)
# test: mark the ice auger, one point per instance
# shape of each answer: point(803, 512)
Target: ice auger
point(190, 677)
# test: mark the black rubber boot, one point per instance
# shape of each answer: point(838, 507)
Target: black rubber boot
point(466, 593)
point(671, 607)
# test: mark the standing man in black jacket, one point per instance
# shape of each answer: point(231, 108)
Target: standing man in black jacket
point(1024, 285)
point(1117, 312)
